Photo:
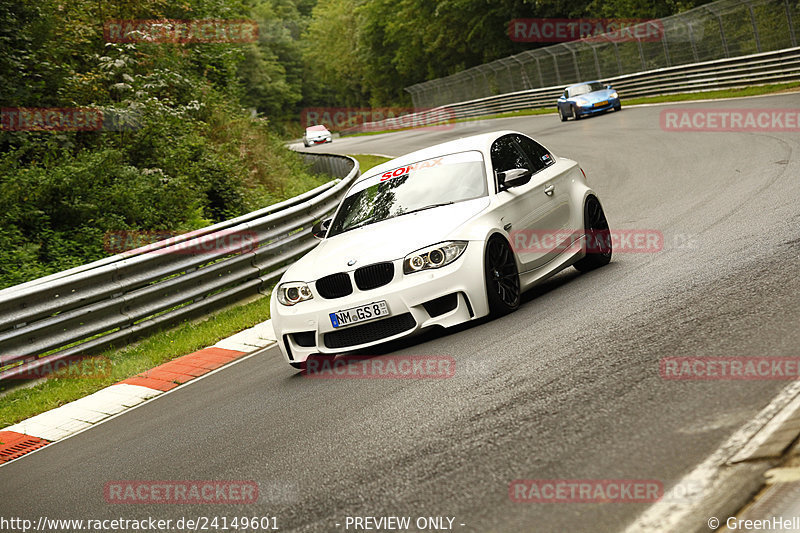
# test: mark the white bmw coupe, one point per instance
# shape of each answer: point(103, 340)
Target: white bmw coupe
point(438, 237)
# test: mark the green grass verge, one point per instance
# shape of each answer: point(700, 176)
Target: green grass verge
point(24, 402)
point(21, 400)
point(365, 133)
point(708, 95)
point(367, 161)
point(723, 93)
point(510, 114)
point(719, 94)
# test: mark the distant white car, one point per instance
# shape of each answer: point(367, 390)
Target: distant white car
point(438, 237)
point(316, 135)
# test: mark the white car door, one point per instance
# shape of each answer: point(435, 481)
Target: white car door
point(536, 214)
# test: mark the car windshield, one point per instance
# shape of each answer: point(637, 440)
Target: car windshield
point(586, 88)
point(413, 187)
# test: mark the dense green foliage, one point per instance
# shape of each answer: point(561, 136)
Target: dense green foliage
point(186, 152)
point(192, 130)
point(368, 51)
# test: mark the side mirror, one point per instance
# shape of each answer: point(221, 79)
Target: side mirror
point(513, 178)
point(319, 229)
point(608, 87)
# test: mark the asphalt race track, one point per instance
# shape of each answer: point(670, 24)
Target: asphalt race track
point(568, 387)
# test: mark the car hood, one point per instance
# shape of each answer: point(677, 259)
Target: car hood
point(596, 96)
point(384, 241)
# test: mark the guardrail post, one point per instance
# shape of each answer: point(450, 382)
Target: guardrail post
point(429, 98)
point(444, 89)
point(691, 41)
point(450, 86)
point(619, 60)
point(496, 87)
point(575, 61)
point(791, 23)
point(755, 27)
point(555, 66)
point(722, 34)
point(485, 82)
point(511, 79)
point(430, 95)
point(467, 83)
point(641, 53)
point(437, 93)
point(666, 48)
point(596, 61)
point(413, 94)
point(473, 77)
point(539, 71)
point(500, 71)
point(526, 83)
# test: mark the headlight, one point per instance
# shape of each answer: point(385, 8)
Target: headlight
point(614, 95)
point(293, 293)
point(435, 256)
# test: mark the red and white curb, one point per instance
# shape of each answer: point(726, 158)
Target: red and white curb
point(61, 422)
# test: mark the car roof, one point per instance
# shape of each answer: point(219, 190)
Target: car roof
point(481, 143)
point(319, 127)
point(581, 83)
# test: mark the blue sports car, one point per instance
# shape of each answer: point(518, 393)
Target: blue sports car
point(588, 98)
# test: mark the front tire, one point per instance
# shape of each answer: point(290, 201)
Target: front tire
point(502, 277)
point(561, 115)
point(618, 107)
point(575, 113)
point(598, 237)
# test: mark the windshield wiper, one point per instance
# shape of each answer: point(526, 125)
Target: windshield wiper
point(426, 207)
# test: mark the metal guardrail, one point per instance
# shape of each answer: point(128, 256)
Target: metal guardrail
point(757, 69)
point(118, 299)
point(718, 30)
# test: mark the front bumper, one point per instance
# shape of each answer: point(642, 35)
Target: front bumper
point(591, 109)
point(444, 297)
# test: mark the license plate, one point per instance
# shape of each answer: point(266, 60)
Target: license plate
point(362, 313)
point(601, 104)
